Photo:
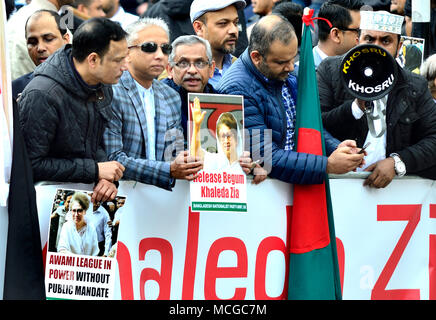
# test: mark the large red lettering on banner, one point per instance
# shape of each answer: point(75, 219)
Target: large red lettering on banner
point(191, 256)
point(265, 247)
point(213, 272)
point(164, 277)
point(412, 214)
point(409, 213)
point(125, 271)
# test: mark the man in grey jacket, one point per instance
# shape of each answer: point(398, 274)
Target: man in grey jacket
point(65, 108)
point(146, 130)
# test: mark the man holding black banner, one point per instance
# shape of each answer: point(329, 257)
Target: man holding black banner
point(408, 143)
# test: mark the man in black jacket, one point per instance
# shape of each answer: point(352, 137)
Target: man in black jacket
point(408, 143)
point(65, 108)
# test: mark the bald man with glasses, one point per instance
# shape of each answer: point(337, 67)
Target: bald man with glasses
point(145, 135)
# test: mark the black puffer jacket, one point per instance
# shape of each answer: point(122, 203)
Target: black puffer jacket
point(410, 117)
point(63, 120)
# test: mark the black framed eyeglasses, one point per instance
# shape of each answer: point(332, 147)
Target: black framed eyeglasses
point(357, 30)
point(199, 64)
point(151, 47)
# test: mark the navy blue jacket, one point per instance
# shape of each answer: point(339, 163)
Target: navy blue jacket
point(264, 109)
point(20, 83)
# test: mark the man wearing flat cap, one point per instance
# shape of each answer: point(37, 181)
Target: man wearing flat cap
point(403, 139)
point(218, 22)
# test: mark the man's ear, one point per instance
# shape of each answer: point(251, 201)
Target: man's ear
point(212, 69)
point(169, 71)
point(93, 60)
point(256, 57)
point(81, 7)
point(199, 28)
point(400, 45)
point(334, 35)
point(66, 38)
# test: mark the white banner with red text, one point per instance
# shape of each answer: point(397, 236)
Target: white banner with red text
point(386, 241)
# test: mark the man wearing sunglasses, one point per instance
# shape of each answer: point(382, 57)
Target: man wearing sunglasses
point(218, 22)
point(146, 132)
point(344, 15)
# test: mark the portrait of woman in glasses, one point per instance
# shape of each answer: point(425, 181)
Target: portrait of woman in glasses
point(228, 137)
point(77, 235)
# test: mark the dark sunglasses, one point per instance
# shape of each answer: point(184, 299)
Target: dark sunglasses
point(151, 47)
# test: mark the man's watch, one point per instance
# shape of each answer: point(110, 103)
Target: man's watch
point(400, 167)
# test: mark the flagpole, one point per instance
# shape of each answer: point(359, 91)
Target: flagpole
point(313, 267)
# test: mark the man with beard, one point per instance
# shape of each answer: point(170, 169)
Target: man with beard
point(218, 22)
point(146, 129)
point(263, 76)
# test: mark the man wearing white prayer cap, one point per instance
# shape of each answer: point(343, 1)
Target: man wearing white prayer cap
point(404, 138)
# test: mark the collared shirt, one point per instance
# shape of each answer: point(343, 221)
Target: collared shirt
point(290, 110)
point(320, 52)
point(377, 149)
point(218, 74)
point(147, 98)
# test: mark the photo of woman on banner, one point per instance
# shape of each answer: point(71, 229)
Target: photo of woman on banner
point(230, 155)
point(78, 236)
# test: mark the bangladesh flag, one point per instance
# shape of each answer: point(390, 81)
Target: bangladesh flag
point(313, 263)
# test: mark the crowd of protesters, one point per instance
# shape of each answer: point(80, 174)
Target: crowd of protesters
point(101, 88)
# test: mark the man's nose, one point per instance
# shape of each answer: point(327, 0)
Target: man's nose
point(41, 47)
point(233, 29)
point(290, 66)
point(192, 69)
